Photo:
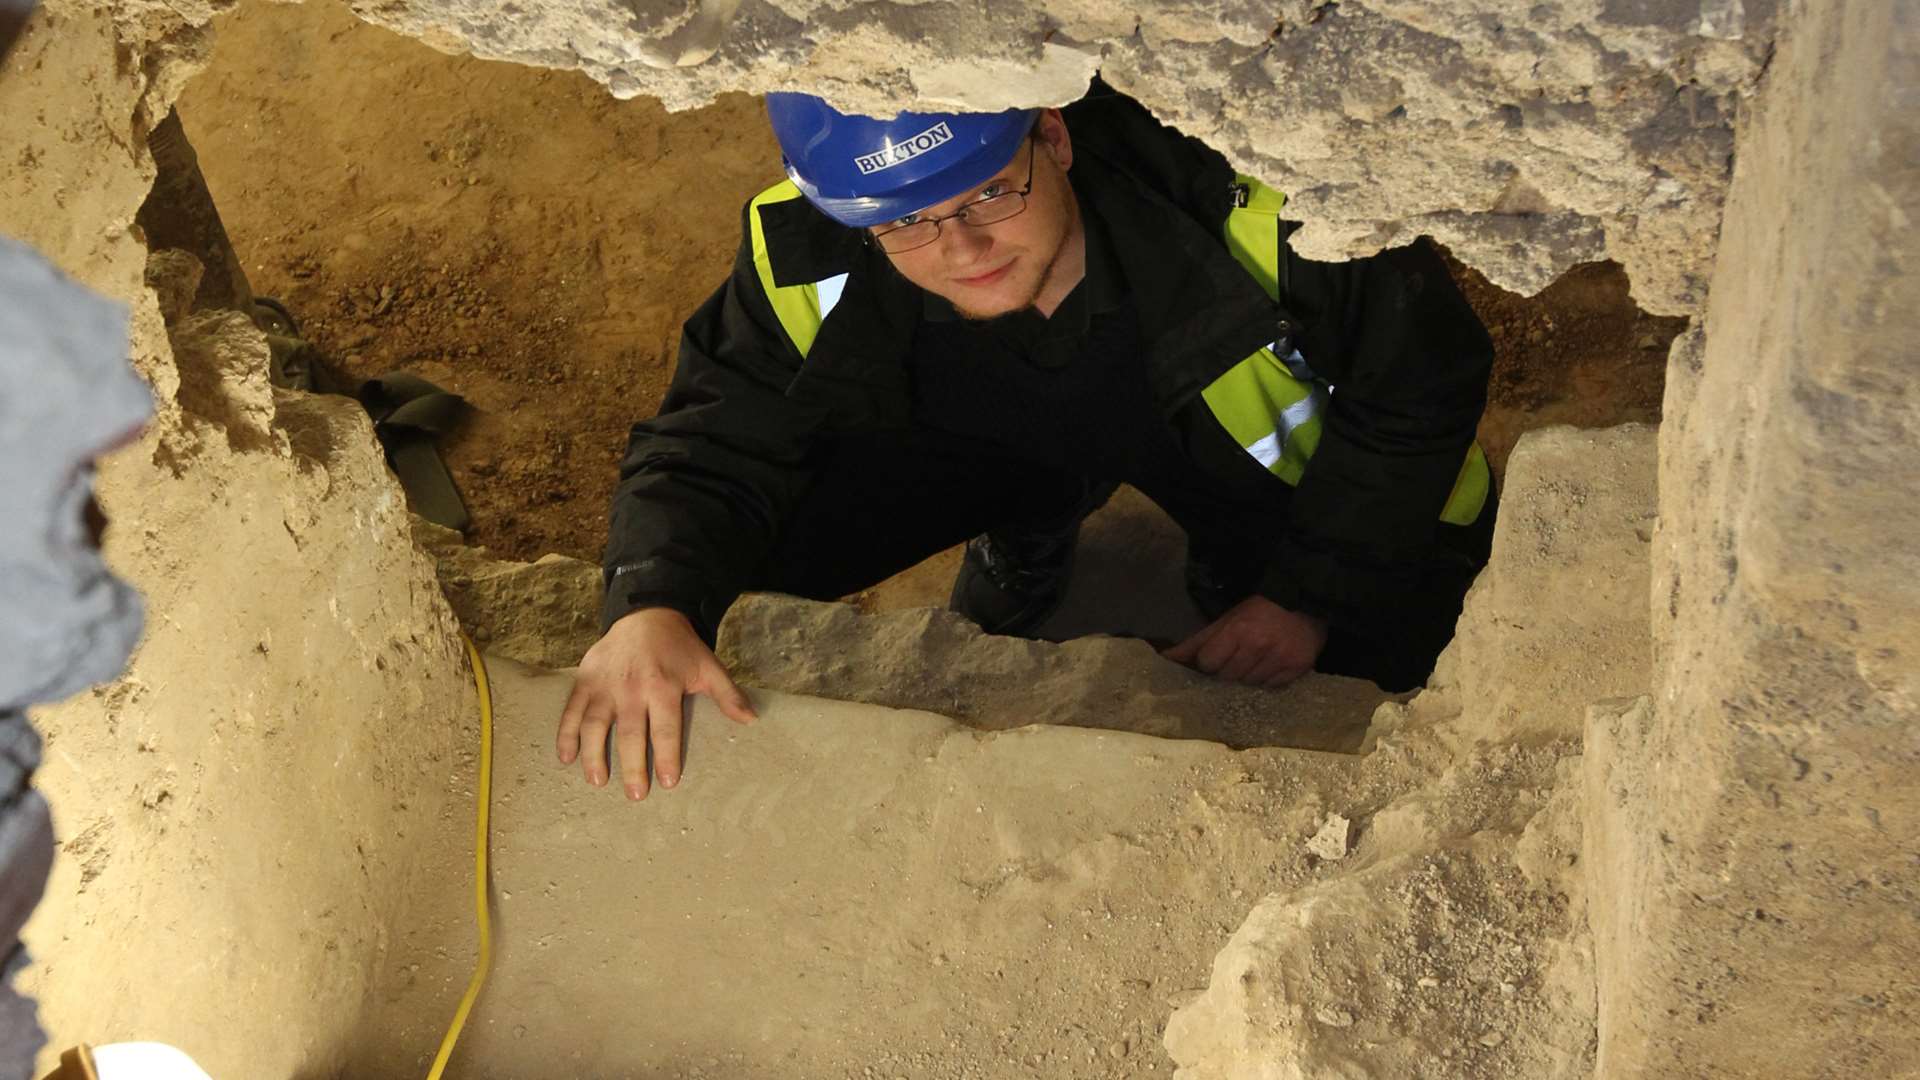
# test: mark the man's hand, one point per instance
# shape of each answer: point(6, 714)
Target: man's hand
point(631, 683)
point(1256, 642)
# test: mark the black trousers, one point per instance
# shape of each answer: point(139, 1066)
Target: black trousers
point(882, 503)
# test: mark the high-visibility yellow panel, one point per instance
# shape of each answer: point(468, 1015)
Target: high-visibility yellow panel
point(1470, 489)
point(1253, 233)
point(797, 306)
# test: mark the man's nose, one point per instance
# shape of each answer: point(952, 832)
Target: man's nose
point(963, 244)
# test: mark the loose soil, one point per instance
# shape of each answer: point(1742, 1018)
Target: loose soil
point(525, 240)
point(515, 235)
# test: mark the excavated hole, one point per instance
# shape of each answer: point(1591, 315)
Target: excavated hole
point(522, 239)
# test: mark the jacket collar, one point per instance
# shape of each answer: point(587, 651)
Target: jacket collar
point(1197, 310)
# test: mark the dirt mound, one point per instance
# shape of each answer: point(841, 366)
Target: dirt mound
point(512, 234)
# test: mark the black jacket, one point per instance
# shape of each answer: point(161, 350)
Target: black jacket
point(706, 482)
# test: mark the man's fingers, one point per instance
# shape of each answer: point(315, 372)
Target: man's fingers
point(593, 741)
point(720, 686)
point(1217, 652)
point(1245, 659)
point(1186, 651)
point(632, 742)
point(663, 720)
point(566, 741)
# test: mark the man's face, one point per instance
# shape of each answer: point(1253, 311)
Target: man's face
point(990, 270)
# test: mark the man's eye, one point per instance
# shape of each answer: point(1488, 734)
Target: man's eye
point(903, 222)
point(990, 191)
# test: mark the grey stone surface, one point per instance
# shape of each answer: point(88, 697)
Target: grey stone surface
point(1454, 935)
point(545, 613)
point(1756, 832)
point(1563, 622)
point(936, 660)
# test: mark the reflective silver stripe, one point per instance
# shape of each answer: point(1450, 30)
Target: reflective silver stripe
point(1267, 450)
point(829, 290)
point(1307, 408)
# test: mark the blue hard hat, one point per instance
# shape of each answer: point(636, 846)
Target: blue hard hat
point(860, 171)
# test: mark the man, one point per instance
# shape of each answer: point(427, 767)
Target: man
point(946, 327)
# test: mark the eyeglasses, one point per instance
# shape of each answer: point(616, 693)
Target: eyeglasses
point(982, 211)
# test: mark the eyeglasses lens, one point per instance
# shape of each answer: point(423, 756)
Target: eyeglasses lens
point(921, 233)
point(998, 208)
point(907, 237)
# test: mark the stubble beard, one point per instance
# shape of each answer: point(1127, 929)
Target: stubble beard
point(1032, 293)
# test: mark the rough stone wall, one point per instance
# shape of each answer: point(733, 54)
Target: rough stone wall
point(235, 814)
point(1527, 136)
point(544, 613)
point(1453, 942)
point(1758, 822)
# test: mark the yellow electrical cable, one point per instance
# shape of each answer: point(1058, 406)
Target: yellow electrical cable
point(479, 864)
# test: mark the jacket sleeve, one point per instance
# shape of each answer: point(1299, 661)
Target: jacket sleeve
point(1408, 361)
point(705, 484)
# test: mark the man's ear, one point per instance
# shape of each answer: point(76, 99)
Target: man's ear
point(1051, 130)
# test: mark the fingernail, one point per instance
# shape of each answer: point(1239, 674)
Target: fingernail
point(669, 781)
point(596, 780)
point(633, 792)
